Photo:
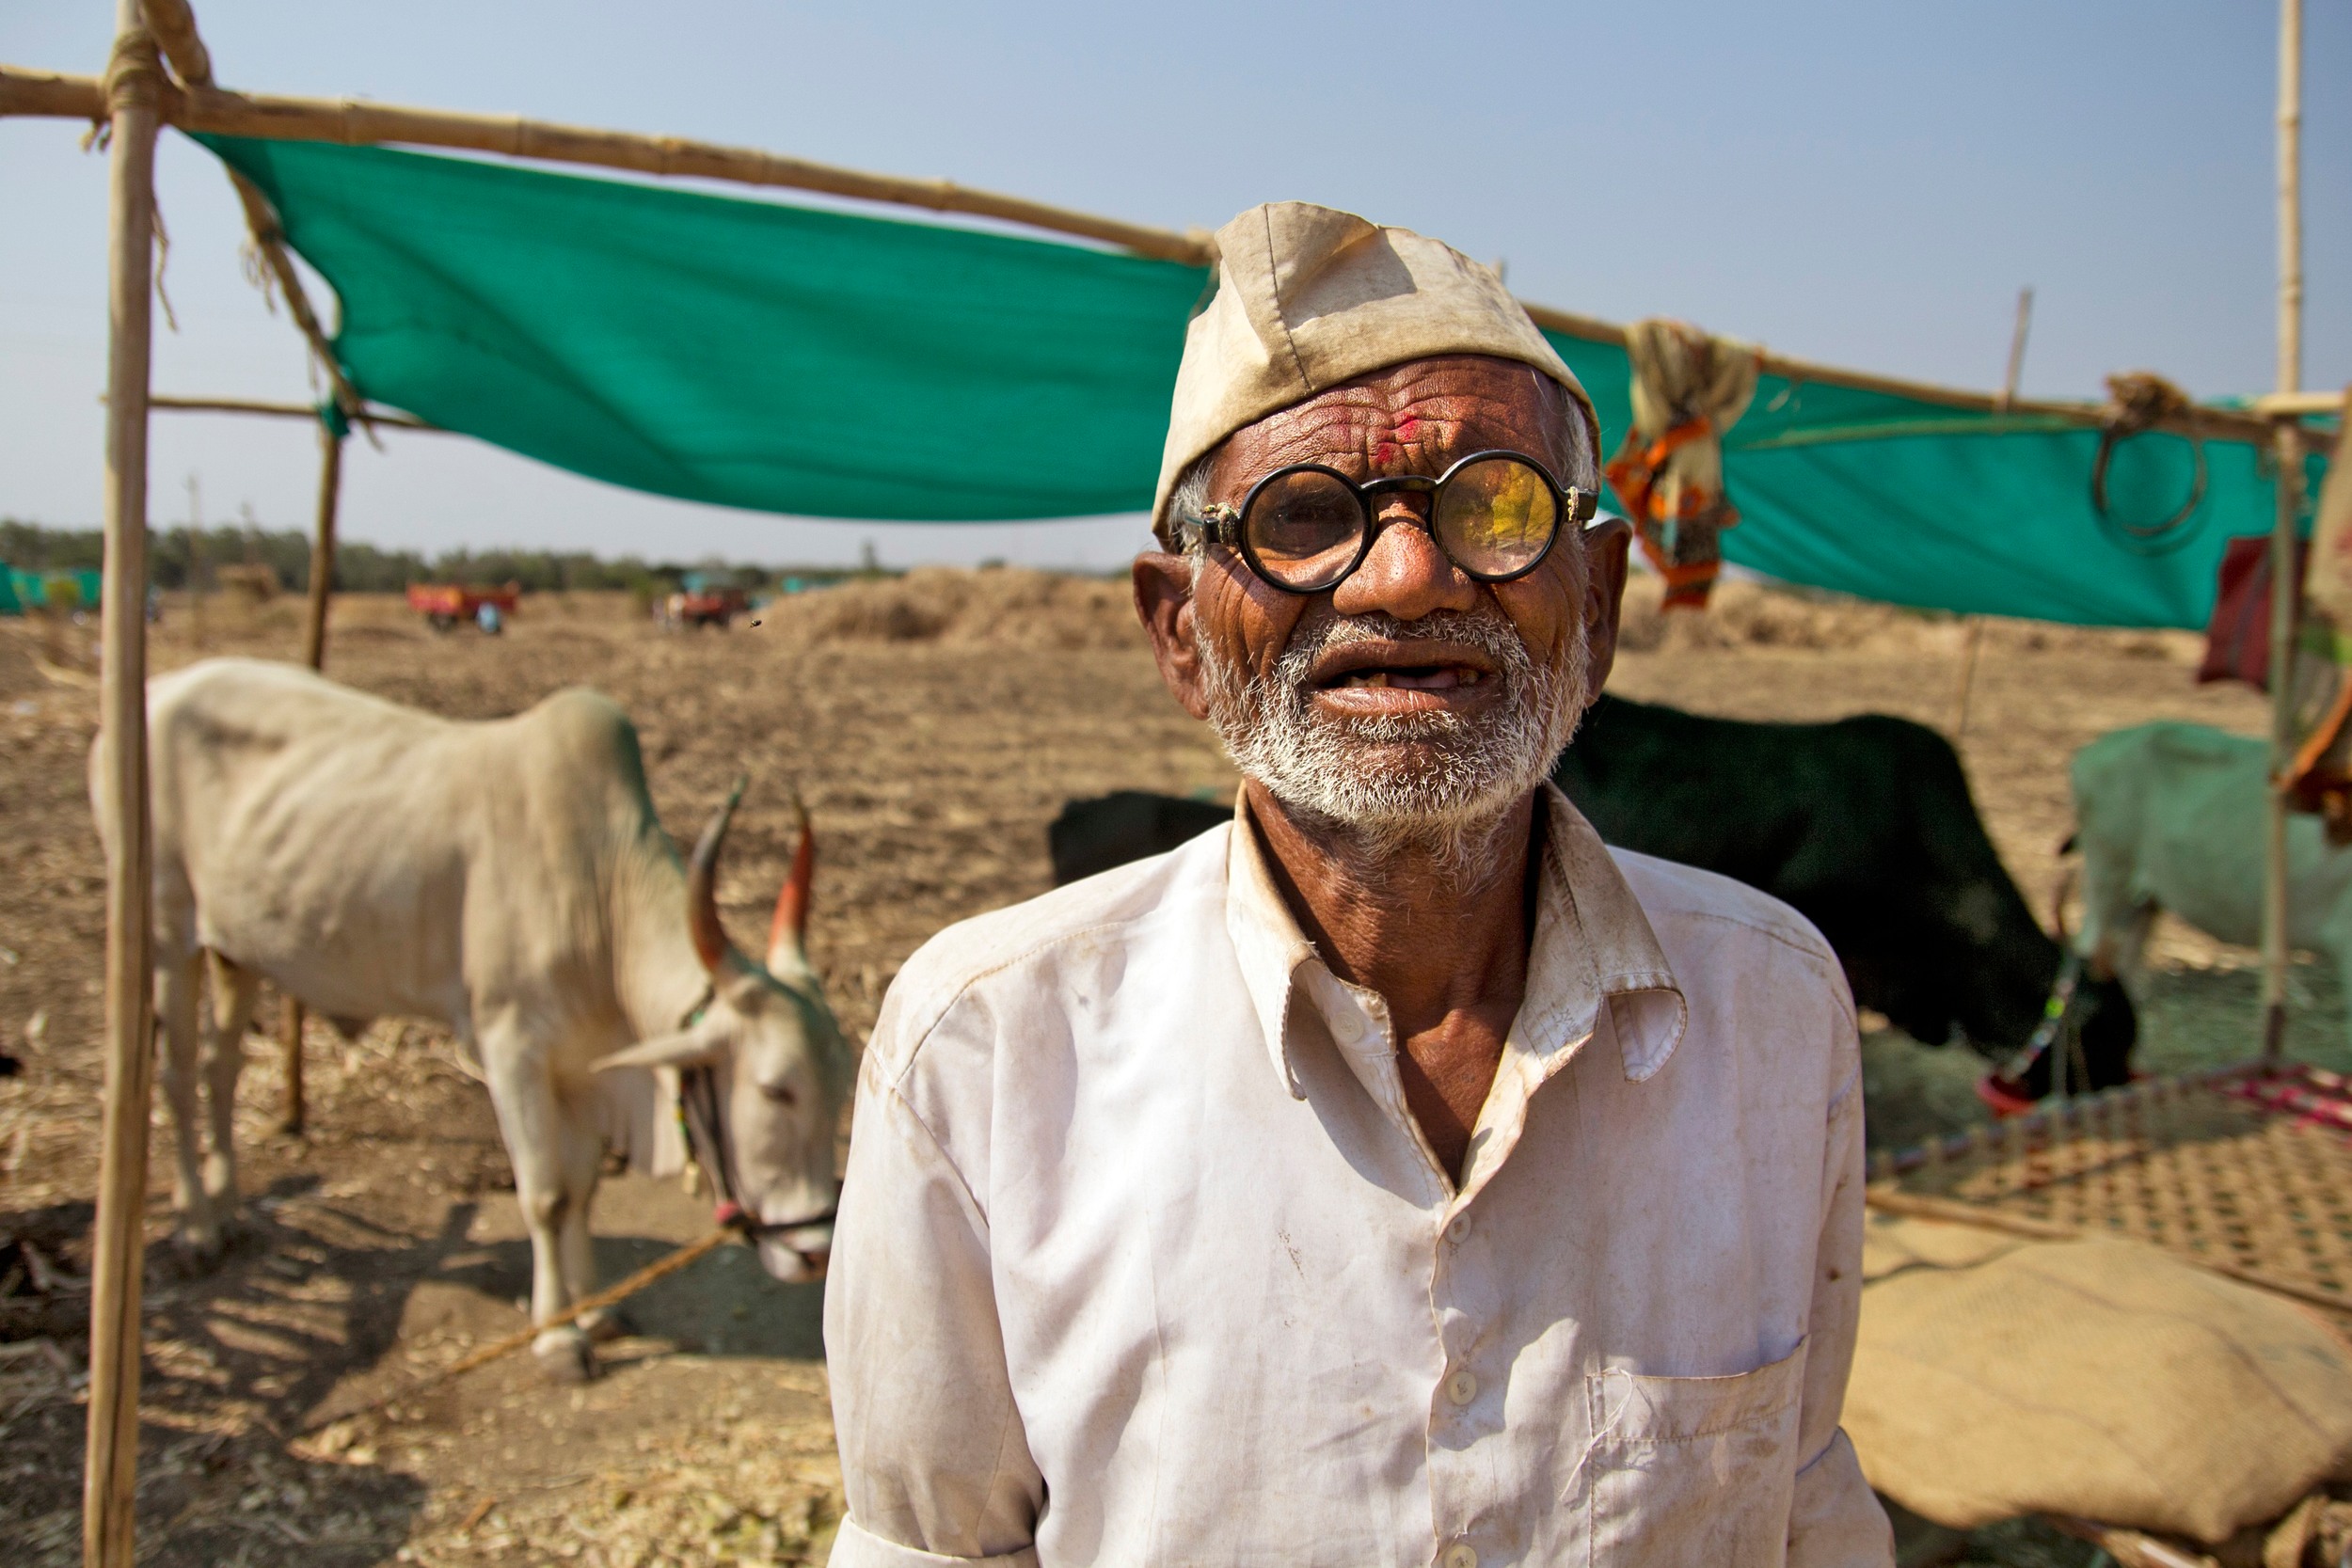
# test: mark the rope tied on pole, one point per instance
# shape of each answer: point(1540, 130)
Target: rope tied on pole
point(135, 72)
point(2137, 402)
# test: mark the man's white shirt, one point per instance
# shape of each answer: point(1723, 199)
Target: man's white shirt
point(1141, 1259)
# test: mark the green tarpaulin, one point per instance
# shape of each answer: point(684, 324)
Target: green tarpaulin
point(825, 364)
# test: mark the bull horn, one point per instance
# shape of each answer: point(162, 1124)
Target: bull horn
point(787, 933)
point(702, 888)
point(684, 1049)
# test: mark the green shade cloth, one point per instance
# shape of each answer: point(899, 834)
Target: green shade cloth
point(1917, 503)
point(826, 364)
point(744, 353)
point(67, 588)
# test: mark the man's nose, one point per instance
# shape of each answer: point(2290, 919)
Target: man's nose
point(1405, 574)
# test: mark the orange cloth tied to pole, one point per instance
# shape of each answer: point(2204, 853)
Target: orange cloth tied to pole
point(1688, 389)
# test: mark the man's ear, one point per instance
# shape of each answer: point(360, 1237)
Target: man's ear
point(1164, 604)
point(1605, 546)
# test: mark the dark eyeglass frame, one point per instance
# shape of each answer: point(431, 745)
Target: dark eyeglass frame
point(1220, 523)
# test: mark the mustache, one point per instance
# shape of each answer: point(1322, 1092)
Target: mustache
point(1488, 629)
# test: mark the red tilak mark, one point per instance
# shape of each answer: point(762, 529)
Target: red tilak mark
point(1387, 453)
point(1405, 430)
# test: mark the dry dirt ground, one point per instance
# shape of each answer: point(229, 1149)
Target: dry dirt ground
point(934, 726)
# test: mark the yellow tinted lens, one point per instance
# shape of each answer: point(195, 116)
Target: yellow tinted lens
point(1305, 528)
point(1496, 516)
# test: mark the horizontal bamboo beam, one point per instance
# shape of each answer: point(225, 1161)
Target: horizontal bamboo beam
point(357, 123)
point(2296, 404)
point(354, 123)
point(46, 94)
point(283, 410)
point(2220, 422)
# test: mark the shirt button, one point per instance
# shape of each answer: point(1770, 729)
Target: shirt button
point(1347, 1026)
point(1458, 1228)
point(1460, 1555)
point(1461, 1389)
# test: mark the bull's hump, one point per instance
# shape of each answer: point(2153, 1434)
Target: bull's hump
point(264, 696)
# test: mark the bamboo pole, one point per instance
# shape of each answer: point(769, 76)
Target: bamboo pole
point(52, 95)
point(202, 107)
point(269, 242)
point(2217, 423)
point(2290, 195)
point(279, 411)
point(2285, 593)
point(175, 29)
point(294, 1115)
point(362, 123)
point(323, 548)
point(2272, 405)
point(2017, 347)
point(1971, 641)
point(174, 26)
point(134, 91)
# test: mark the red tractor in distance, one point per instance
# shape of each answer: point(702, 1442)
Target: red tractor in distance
point(701, 602)
point(447, 605)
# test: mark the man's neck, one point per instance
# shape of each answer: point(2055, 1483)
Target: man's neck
point(1406, 921)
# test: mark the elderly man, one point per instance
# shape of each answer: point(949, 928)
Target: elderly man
point(1397, 1176)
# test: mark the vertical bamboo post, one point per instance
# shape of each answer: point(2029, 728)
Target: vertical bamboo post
point(1972, 640)
point(322, 547)
point(2283, 596)
point(133, 83)
point(196, 562)
point(294, 1116)
point(2017, 346)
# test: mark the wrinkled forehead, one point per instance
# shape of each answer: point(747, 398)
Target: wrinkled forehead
point(1414, 417)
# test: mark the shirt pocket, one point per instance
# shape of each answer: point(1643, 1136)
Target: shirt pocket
point(1692, 1470)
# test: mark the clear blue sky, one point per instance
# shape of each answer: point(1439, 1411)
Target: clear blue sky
point(1862, 184)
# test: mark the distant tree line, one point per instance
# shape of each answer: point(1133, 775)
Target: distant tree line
point(174, 554)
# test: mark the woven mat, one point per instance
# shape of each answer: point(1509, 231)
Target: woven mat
point(2248, 1174)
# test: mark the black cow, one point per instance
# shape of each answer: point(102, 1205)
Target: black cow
point(1103, 831)
point(1865, 826)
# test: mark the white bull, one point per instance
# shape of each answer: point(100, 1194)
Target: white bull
point(510, 881)
point(2171, 816)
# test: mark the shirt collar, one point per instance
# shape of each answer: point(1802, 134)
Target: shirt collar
point(1593, 944)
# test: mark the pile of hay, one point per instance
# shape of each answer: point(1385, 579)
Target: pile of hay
point(1022, 607)
point(1743, 614)
point(996, 606)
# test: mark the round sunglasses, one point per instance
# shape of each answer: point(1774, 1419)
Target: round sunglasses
point(1495, 514)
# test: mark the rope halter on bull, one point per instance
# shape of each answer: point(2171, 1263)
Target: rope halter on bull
point(700, 1104)
point(2057, 1035)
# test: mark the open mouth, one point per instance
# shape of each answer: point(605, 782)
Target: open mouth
point(1381, 666)
point(1415, 677)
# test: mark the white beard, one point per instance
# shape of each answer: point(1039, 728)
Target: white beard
point(1430, 782)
